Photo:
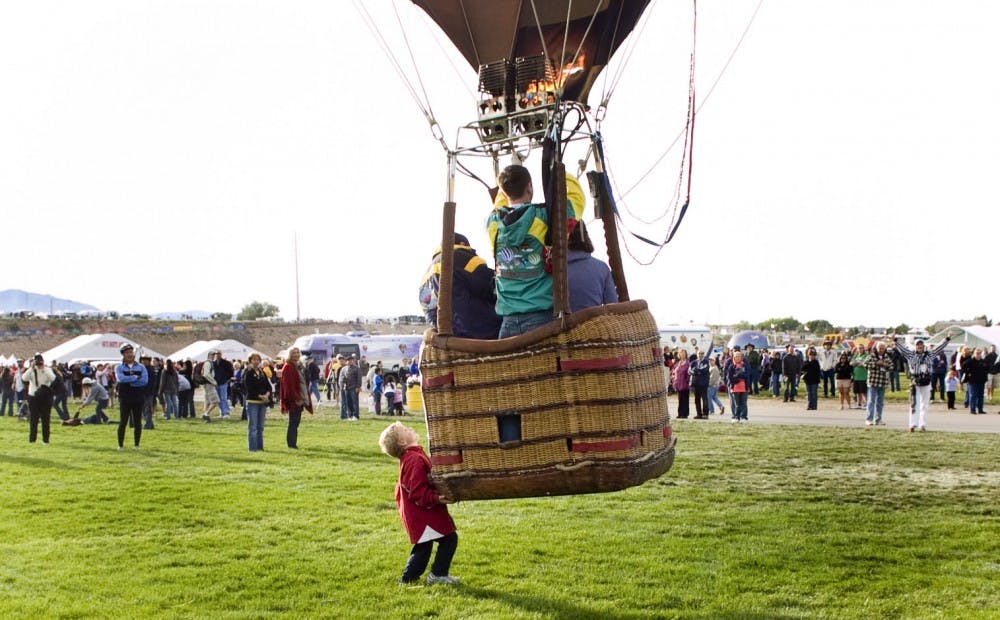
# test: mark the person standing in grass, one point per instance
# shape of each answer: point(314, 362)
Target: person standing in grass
point(827, 359)
point(738, 383)
point(168, 389)
point(39, 379)
point(845, 378)
point(699, 384)
point(132, 380)
point(951, 386)
point(257, 389)
point(791, 368)
point(811, 376)
point(295, 396)
point(680, 377)
point(976, 374)
point(879, 365)
point(714, 379)
point(919, 368)
point(422, 509)
point(860, 375)
point(991, 359)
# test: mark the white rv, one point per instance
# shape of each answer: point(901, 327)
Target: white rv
point(685, 337)
point(389, 348)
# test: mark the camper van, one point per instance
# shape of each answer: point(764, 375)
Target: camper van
point(387, 348)
point(685, 337)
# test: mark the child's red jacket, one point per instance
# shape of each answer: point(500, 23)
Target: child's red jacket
point(418, 502)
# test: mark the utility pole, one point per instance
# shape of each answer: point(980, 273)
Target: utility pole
point(298, 316)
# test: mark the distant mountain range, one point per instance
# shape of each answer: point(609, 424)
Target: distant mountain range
point(13, 300)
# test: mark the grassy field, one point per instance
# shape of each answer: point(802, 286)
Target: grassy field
point(752, 522)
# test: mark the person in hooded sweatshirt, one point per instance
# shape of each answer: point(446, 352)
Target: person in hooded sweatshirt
point(473, 293)
point(517, 228)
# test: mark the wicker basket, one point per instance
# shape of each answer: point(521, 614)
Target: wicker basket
point(573, 407)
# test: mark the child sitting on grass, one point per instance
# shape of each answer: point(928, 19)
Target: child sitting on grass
point(421, 508)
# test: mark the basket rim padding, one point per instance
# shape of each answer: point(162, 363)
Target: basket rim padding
point(525, 340)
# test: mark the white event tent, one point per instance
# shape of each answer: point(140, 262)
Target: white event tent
point(231, 350)
point(92, 347)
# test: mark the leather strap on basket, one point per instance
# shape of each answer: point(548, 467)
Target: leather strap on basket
point(605, 363)
point(606, 446)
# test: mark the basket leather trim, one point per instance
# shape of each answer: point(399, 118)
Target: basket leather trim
point(433, 382)
point(603, 363)
point(437, 448)
point(447, 459)
point(471, 415)
point(606, 446)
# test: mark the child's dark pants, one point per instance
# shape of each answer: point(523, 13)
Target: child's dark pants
point(421, 554)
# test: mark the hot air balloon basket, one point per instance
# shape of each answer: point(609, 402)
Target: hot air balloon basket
point(576, 406)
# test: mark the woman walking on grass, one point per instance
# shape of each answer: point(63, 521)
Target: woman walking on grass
point(738, 383)
point(294, 395)
point(811, 376)
point(844, 373)
point(257, 389)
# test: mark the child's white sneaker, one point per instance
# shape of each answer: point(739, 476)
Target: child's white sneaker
point(445, 579)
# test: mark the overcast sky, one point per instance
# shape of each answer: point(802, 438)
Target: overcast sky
point(160, 156)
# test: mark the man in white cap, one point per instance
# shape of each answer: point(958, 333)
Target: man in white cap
point(132, 379)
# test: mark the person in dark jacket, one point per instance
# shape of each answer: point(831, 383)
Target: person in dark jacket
point(132, 379)
point(791, 366)
point(473, 294)
point(976, 373)
point(812, 374)
point(590, 282)
point(257, 388)
point(698, 372)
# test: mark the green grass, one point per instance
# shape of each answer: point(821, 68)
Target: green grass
point(752, 522)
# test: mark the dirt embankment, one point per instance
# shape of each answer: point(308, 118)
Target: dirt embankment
point(23, 337)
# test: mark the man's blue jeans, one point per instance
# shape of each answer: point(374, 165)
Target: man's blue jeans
point(976, 394)
point(876, 401)
point(829, 380)
point(516, 324)
point(739, 405)
point(755, 381)
point(223, 390)
point(776, 383)
point(812, 395)
point(314, 390)
point(59, 404)
point(791, 389)
point(256, 413)
point(713, 399)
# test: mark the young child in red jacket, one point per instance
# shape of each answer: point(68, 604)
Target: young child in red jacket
point(421, 508)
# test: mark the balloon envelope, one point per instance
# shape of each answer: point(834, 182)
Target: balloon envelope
point(485, 31)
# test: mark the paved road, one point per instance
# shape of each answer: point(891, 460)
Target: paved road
point(767, 411)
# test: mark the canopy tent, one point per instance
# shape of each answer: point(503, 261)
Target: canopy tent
point(972, 336)
point(231, 350)
point(742, 339)
point(94, 347)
